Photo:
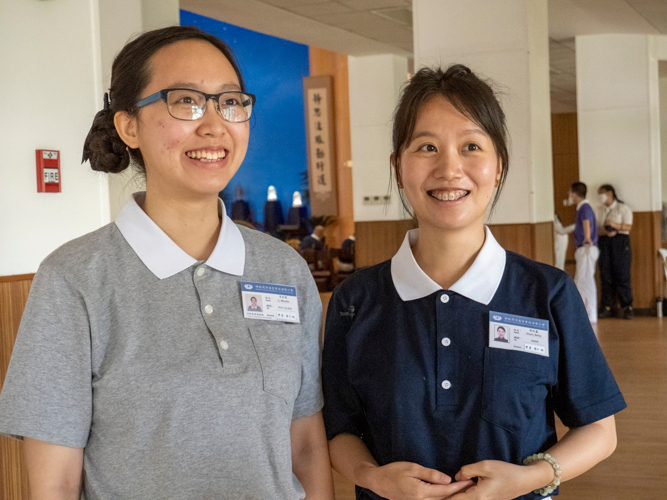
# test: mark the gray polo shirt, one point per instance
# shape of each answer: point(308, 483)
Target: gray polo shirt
point(134, 351)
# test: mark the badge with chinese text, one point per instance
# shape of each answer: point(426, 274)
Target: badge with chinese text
point(269, 302)
point(518, 333)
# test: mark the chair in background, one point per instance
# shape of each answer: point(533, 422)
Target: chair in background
point(321, 267)
point(663, 254)
point(294, 243)
point(343, 265)
point(244, 223)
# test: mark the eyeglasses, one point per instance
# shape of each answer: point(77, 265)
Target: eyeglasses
point(188, 104)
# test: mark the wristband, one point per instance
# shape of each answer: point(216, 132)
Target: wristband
point(547, 490)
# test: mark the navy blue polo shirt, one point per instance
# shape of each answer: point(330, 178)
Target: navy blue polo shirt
point(408, 368)
point(585, 212)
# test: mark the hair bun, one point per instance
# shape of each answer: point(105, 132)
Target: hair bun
point(103, 147)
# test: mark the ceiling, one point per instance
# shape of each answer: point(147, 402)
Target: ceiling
point(365, 27)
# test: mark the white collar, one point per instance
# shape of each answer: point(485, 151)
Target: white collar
point(613, 205)
point(315, 236)
point(165, 258)
point(479, 283)
point(582, 203)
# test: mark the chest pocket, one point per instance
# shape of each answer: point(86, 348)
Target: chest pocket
point(515, 387)
point(278, 347)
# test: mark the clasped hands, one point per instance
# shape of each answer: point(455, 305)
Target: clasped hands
point(611, 228)
point(486, 480)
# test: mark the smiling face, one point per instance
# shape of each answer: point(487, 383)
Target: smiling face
point(449, 169)
point(188, 158)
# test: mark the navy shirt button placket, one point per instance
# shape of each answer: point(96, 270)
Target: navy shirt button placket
point(445, 341)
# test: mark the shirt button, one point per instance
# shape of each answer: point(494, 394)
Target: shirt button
point(444, 298)
point(446, 384)
point(224, 345)
point(200, 271)
point(208, 309)
point(446, 341)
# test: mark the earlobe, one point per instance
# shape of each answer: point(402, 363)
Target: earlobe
point(499, 173)
point(394, 164)
point(126, 126)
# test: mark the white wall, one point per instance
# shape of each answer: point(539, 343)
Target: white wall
point(508, 42)
point(662, 74)
point(49, 86)
point(618, 113)
point(374, 84)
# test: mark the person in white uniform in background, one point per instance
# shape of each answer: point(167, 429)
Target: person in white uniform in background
point(587, 252)
point(561, 240)
point(614, 219)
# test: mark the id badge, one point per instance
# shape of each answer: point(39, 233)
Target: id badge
point(270, 302)
point(519, 333)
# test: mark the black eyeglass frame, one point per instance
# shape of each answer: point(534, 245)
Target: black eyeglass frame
point(162, 94)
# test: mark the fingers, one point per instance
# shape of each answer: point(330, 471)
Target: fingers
point(440, 491)
point(470, 471)
point(430, 475)
point(467, 494)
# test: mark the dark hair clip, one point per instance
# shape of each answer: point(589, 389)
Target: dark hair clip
point(106, 101)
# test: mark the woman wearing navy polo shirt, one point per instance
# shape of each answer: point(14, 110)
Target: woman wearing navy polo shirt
point(421, 400)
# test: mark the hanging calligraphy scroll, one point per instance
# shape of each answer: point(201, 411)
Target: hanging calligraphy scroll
point(320, 140)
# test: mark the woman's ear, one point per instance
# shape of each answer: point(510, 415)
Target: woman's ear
point(397, 170)
point(499, 172)
point(126, 126)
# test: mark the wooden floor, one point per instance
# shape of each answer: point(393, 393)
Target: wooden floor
point(637, 353)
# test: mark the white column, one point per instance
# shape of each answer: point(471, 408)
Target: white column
point(375, 83)
point(618, 115)
point(506, 41)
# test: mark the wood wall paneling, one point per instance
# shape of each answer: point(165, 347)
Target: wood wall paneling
point(378, 241)
point(324, 62)
point(647, 268)
point(565, 149)
point(535, 241)
point(13, 296)
point(542, 235)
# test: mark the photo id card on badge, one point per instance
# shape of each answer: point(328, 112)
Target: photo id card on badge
point(270, 302)
point(518, 333)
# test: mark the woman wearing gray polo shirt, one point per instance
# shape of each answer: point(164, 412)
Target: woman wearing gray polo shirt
point(135, 362)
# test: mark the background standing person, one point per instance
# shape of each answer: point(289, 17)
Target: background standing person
point(614, 219)
point(561, 241)
point(135, 362)
point(421, 402)
point(586, 253)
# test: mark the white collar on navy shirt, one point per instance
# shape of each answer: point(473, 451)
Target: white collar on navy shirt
point(479, 283)
point(582, 203)
point(165, 258)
